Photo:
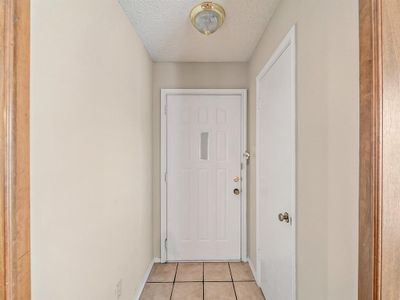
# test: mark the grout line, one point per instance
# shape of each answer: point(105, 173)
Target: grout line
point(173, 284)
point(233, 284)
point(212, 281)
point(230, 271)
point(203, 272)
point(203, 283)
point(176, 271)
point(189, 281)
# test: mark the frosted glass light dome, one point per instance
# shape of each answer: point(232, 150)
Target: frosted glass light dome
point(207, 17)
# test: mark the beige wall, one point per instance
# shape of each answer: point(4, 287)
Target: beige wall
point(185, 76)
point(91, 123)
point(327, 141)
point(94, 145)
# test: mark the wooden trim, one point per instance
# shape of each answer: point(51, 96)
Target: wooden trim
point(370, 229)
point(391, 145)
point(14, 149)
point(2, 150)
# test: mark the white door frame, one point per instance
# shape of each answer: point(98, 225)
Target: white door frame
point(289, 40)
point(163, 174)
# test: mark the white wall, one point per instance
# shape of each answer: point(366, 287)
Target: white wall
point(91, 148)
point(327, 142)
point(186, 76)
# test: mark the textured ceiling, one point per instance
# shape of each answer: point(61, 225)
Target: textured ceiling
point(168, 35)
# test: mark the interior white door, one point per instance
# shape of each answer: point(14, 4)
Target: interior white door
point(203, 163)
point(276, 176)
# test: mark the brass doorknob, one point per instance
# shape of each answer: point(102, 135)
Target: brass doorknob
point(236, 192)
point(284, 217)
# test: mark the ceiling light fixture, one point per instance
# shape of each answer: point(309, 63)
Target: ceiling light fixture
point(207, 17)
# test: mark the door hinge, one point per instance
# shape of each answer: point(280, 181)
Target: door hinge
point(165, 177)
point(246, 155)
point(166, 243)
point(165, 108)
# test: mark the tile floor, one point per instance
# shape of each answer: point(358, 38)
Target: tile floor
point(209, 281)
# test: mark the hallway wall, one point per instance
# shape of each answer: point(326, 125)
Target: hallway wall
point(95, 131)
point(91, 145)
point(186, 76)
point(327, 142)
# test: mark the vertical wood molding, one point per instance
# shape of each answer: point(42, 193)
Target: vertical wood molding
point(2, 153)
point(391, 150)
point(370, 230)
point(14, 149)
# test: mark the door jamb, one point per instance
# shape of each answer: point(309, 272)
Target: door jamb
point(14, 150)
point(289, 40)
point(163, 160)
point(371, 117)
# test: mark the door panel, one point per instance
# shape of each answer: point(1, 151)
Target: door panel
point(203, 157)
point(276, 178)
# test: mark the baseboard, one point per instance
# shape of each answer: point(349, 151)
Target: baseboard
point(253, 269)
point(146, 275)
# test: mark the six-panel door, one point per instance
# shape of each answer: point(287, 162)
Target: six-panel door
point(203, 166)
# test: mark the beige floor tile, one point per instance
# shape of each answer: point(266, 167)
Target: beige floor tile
point(217, 272)
point(189, 272)
point(163, 273)
point(187, 291)
point(157, 291)
point(219, 291)
point(241, 272)
point(248, 291)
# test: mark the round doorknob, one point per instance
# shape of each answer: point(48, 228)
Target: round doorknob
point(284, 217)
point(236, 192)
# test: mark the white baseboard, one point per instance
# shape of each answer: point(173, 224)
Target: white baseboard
point(146, 275)
point(253, 270)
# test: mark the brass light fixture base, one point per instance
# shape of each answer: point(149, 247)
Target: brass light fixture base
point(215, 11)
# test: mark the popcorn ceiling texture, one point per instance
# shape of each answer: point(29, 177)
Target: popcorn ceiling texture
point(165, 29)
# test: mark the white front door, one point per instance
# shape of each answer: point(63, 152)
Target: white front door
point(203, 170)
point(276, 174)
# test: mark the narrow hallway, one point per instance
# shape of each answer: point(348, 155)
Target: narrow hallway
point(200, 280)
point(211, 132)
